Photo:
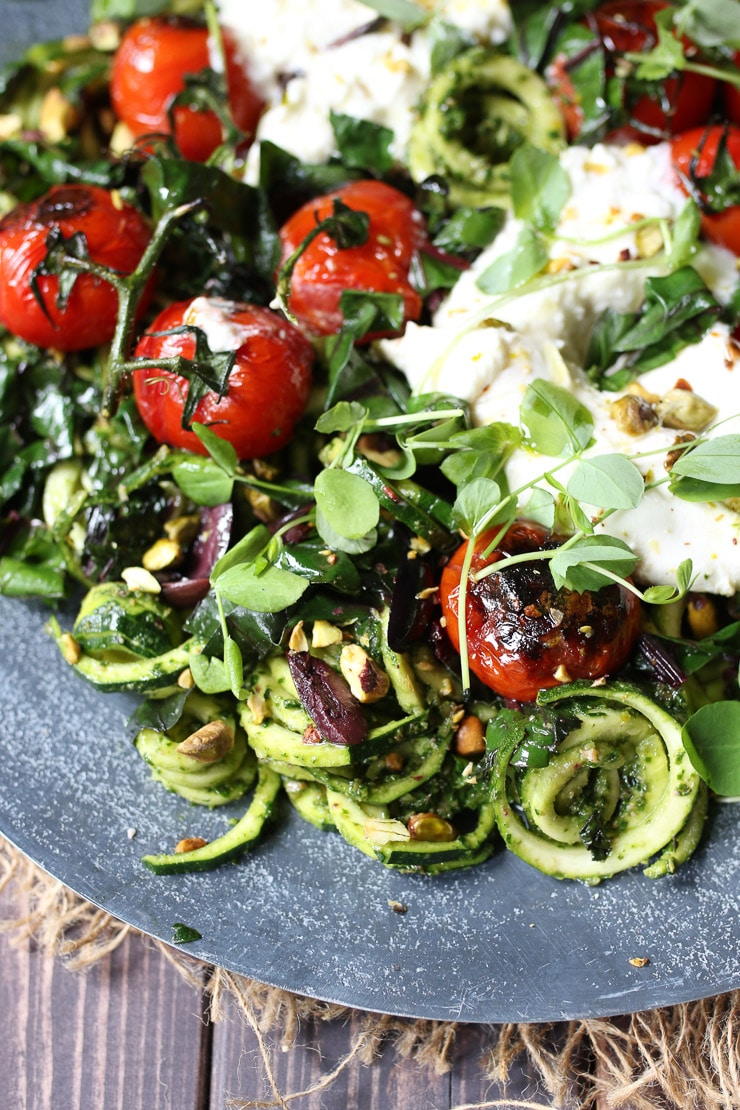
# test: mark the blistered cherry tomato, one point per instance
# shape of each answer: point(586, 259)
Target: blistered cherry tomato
point(116, 235)
point(694, 154)
point(380, 265)
point(523, 634)
point(628, 27)
point(149, 70)
point(267, 389)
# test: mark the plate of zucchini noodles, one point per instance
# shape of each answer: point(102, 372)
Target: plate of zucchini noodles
point(370, 490)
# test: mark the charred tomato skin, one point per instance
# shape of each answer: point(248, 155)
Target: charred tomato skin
point(693, 155)
point(116, 235)
point(523, 634)
point(267, 389)
point(149, 70)
point(380, 265)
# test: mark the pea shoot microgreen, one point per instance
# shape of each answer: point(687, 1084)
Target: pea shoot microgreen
point(668, 57)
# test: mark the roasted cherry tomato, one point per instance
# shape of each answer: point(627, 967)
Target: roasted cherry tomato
point(149, 70)
point(694, 154)
point(523, 634)
point(628, 27)
point(267, 389)
point(116, 235)
point(380, 265)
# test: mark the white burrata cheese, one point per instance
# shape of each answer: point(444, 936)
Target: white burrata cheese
point(309, 60)
point(488, 350)
point(215, 318)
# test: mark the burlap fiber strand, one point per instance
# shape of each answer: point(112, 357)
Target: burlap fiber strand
point(686, 1055)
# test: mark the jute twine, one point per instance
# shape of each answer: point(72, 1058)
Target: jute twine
point(686, 1055)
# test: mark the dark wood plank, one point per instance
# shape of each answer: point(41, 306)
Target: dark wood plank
point(127, 1034)
point(239, 1071)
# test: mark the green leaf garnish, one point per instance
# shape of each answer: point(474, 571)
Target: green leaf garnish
point(579, 565)
point(557, 423)
point(347, 503)
point(184, 934)
point(516, 267)
point(539, 187)
point(712, 739)
point(715, 460)
point(608, 482)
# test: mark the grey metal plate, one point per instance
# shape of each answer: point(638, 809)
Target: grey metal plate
point(308, 913)
point(305, 911)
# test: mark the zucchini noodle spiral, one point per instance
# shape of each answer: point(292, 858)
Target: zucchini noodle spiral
point(617, 791)
point(477, 112)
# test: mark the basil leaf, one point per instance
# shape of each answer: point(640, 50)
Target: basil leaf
point(692, 489)
point(677, 311)
point(584, 83)
point(608, 482)
point(557, 423)
point(670, 302)
point(135, 9)
point(711, 737)
point(447, 41)
point(517, 266)
point(469, 230)
point(685, 235)
point(221, 451)
point(362, 144)
point(539, 187)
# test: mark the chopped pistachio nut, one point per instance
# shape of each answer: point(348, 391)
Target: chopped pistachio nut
point(257, 706)
point(367, 681)
point(379, 830)
point(138, 578)
point(682, 408)
point(649, 241)
point(185, 679)
point(298, 640)
point(324, 634)
point(182, 529)
point(210, 743)
point(701, 613)
point(470, 739)
point(57, 115)
point(162, 554)
point(633, 415)
point(71, 650)
point(429, 826)
point(105, 35)
point(11, 124)
point(190, 844)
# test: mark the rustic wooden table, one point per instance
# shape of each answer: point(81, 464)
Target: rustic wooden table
point(130, 1033)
